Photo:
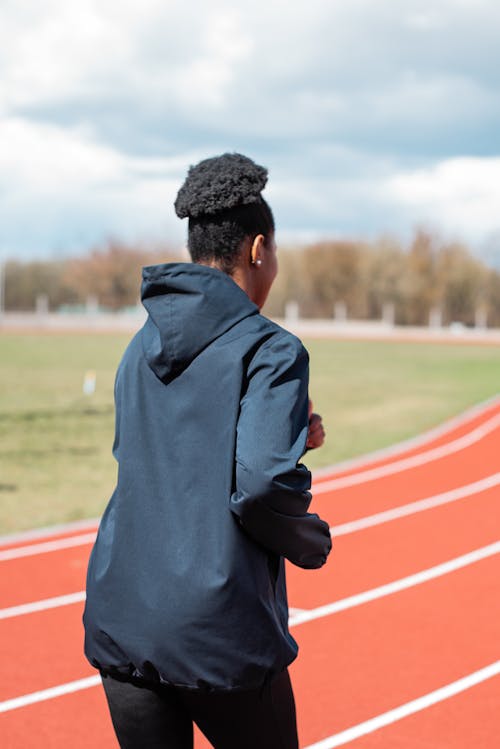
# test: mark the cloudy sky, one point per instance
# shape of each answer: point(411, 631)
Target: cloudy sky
point(372, 116)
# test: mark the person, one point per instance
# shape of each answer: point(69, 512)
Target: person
point(186, 615)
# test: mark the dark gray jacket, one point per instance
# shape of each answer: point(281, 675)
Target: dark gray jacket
point(186, 579)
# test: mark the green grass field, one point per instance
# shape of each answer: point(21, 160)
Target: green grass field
point(55, 443)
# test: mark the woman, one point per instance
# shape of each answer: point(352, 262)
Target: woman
point(186, 613)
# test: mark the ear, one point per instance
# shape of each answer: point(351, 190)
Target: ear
point(257, 250)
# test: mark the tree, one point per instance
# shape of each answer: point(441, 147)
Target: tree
point(419, 286)
point(25, 281)
point(463, 280)
point(383, 268)
point(329, 272)
point(111, 273)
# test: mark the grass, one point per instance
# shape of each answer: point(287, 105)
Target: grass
point(55, 443)
point(373, 394)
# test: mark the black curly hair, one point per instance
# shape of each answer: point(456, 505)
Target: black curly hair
point(221, 196)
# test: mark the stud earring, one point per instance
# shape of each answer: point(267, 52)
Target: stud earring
point(258, 262)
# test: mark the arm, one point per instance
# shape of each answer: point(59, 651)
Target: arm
point(272, 498)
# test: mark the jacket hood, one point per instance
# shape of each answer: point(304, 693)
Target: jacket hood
point(189, 307)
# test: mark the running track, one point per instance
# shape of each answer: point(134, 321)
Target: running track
point(399, 633)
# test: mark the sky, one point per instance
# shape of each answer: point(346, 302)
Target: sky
point(372, 116)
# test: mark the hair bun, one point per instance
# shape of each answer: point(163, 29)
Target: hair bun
point(220, 183)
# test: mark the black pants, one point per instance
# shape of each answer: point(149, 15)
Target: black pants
point(162, 717)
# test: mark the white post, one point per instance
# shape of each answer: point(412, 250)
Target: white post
point(388, 313)
point(481, 318)
point(291, 311)
point(2, 287)
point(42, 304)
point(340, 312)
point(92, 305)
point(435, 318)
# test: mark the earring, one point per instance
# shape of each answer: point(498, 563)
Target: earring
point(258, 262)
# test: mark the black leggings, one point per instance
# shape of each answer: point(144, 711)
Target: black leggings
point(162, 717)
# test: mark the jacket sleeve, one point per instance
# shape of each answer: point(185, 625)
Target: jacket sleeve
point(272, 498)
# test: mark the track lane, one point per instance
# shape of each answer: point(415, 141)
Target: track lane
point(466, 720)
point(42, 650)
point(359, 561)
point(369, 559)
point(377, 555)
point(332, 654)
point(79, 721)
point(365, 661)
point(454, 471)
point(40, 636)
point(33, 578)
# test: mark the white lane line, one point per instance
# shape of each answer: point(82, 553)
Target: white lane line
point(54, 603)
point(36, 534)
point(304, 616)
point(339, 530)
point(301, 616)
point(42, 605)
point(413, 461)
point(414, 507)
point(409, 708)
point(397, 585)
point(293, 611)
point(46, 546)
point(49, 694)
point(450, 425)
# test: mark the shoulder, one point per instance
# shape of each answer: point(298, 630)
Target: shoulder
point(276, 345)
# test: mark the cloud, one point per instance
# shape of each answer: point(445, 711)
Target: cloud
point(457, 197)
point(461, 195)
point(313, 69)
point(61, 190)
point(350, 105)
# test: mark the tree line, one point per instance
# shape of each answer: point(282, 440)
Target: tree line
point(429, 276)
point(109, 274)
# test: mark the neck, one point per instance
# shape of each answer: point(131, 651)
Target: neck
point(241, 275)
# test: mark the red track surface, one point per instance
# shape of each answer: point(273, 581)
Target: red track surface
point(355, 664)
